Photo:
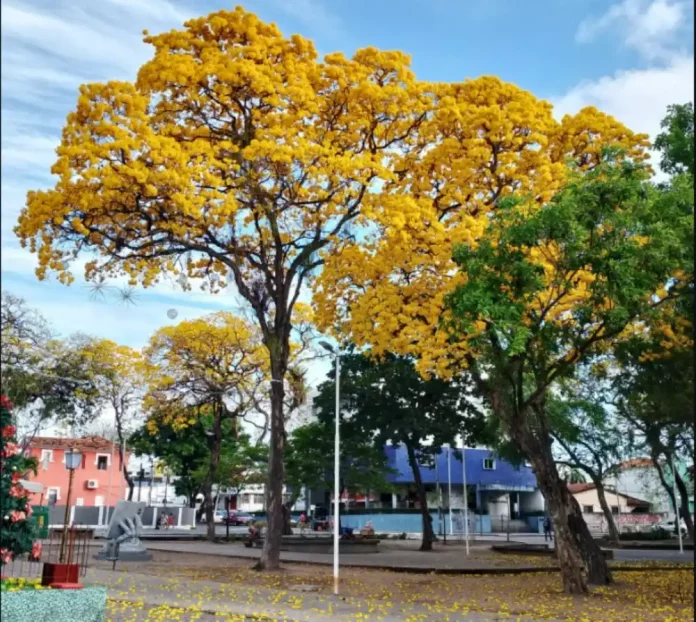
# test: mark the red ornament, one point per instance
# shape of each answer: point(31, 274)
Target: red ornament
point(8, 431)
point(5, 402)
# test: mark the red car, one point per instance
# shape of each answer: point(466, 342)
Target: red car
point(237, 519)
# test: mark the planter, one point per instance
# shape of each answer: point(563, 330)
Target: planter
point(60, 573)
point(86, 605)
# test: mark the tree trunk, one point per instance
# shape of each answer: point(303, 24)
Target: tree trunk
point(287, 516)
point(270, 555)
point(122, 457)
point(684, 512)
point(661, 474)
point(209, 511)
point(214, 464)
point(611, 523)
point(580, 558)
point(428, 533)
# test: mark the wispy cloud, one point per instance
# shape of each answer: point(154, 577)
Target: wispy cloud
point(652, 28)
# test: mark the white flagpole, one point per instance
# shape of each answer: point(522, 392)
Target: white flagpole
point(449, 487)
point(466, 500)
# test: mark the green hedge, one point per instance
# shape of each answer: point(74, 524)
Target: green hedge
point(86, 605)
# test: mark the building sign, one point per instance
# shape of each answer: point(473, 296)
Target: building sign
point(638, 519)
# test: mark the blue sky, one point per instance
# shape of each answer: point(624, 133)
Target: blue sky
point(630, 58)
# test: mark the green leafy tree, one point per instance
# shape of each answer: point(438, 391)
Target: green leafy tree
point(187, 452)
point(310, 458)
point(47, 379)
point(388, 401)
point(654, 392)
point(553, 286)
point(17, 532)
point(182, 450)
point(588, 439)
point(676, 142)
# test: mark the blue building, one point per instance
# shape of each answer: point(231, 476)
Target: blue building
point(494, 486)
point(500, 496)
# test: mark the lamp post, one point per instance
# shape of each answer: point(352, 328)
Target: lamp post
point(449, 487)
point(73, 459)
point(466, 498)
point(337, 453)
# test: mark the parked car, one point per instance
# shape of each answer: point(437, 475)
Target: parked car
point(237, 519)
point(669, 526)
point(218, 517)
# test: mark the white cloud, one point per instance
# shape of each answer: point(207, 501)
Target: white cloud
point(651, 28)
point(638, 98)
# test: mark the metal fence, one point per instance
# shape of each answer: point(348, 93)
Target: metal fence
point(54, 549)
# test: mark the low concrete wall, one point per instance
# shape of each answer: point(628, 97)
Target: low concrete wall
point(413, 523)
point(96, 517)
point(86, 605)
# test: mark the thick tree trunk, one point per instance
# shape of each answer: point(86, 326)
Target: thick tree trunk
point(270, 555)
point(570, 559)
point(209, 511)
point(580, 558)
point(611, 523)
point(684, 511)
point(214, 465)
point(428, 533)
point(598, 572)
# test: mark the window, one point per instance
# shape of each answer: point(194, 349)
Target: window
point(614, 509)
point(46, 457)
point(98, 501)
point(488, 464)
point(587, 509)
point(102, 463)
point(79, 501)
point(52, 495)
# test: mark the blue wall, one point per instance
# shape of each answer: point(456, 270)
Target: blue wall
point(409, 523)
point(504, 475)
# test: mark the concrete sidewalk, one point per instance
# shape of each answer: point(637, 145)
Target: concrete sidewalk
point(207, 600)
point(393, 555)
point(404, 556)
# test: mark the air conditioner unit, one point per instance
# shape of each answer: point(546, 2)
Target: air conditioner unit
point(92, 484)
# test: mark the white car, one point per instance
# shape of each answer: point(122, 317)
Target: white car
point(219, 516)
point(668, 526)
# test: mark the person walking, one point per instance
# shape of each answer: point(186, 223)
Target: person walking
point(548, 529)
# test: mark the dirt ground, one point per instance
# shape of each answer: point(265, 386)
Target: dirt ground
point(635, 596)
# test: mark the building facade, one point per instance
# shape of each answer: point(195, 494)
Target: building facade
point(98, 481)
point(639, 478)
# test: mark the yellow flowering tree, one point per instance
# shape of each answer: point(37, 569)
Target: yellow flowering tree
point(486, 140)
point(206, 370)
point(236, 157)
point(118, 373)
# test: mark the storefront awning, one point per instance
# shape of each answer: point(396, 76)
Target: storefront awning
point(34, 487)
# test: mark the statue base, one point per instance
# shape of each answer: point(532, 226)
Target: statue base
point(129, 551)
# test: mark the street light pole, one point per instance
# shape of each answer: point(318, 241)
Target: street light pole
point(449, 487)
point(337, 454)
point(72, 461)
point(466, 499)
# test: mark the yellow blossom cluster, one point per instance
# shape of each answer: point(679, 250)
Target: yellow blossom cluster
point(485, 141)
point(196, 362)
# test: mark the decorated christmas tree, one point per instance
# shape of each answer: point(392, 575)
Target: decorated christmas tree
point(16, 530)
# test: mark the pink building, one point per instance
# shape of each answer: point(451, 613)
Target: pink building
point(96, 482)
